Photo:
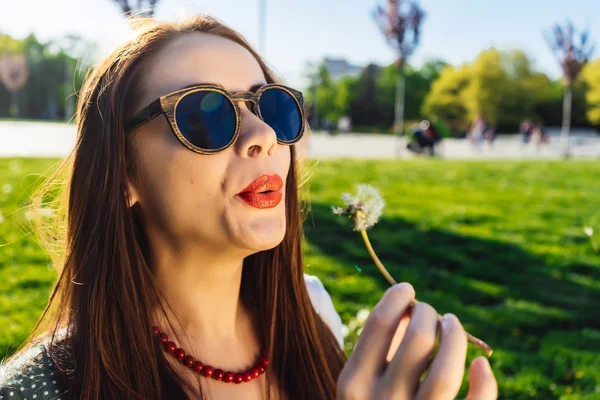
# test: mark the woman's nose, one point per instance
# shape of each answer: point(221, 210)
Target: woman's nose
point(257, 139)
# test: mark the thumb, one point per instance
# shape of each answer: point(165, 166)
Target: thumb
point(482, 383)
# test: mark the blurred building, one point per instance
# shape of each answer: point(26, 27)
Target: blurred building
point(339, 68)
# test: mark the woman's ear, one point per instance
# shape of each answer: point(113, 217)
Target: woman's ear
point(131, 194)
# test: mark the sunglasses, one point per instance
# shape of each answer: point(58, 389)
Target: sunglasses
point(206, 118)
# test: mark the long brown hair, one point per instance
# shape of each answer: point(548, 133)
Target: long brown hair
point(98, 318)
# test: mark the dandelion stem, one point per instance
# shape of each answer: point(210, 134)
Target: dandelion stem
point(472, 339)
point(382, 269)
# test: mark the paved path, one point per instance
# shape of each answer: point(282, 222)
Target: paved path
point(42, 139)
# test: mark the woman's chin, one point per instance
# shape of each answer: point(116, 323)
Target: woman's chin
point(262, 240)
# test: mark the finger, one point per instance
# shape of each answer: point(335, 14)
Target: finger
point(482, 382)
point(374, 342)
point(404, 372)
point(399, 335)
point(447, 369)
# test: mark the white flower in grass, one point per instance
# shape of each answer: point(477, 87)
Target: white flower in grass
point(345, 331)
point(362, 316)
point(589, 231)
point(7, 188)
point(352, 325)
point(15, 167)
point(365, 207)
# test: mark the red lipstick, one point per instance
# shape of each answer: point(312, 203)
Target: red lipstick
point(263, 192)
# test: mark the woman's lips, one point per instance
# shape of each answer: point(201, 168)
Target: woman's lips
point(263, 192)
point(262, 200)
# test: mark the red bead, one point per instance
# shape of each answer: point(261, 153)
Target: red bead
point(156, 330)
point(197, 367)
point(218, 374)
point(188, 361)
point(228, 377)
point(207, 371)
point(170, 347)
point(179, 354)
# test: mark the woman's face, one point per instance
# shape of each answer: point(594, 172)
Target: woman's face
point(189, 199)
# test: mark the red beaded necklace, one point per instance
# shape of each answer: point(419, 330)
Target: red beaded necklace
point(207, 370)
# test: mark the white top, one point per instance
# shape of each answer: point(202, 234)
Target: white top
point(324, 306)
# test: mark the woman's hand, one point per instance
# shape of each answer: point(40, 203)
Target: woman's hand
point(395, 348)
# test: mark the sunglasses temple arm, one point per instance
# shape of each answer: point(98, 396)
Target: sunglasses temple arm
point(144, 115)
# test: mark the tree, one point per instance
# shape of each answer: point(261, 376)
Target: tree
point(500, 85)
point(572, 50)
point(52, 79)
point(13, 74)
point(13, 69)
point(143, 8)
point(419, 81)
point(445, 99)
point(485, 91)
point(364, 108)
point(400, 22)
point(591, 76)
point(326, 95)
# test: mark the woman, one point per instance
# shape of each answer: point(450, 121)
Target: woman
point(181, 272)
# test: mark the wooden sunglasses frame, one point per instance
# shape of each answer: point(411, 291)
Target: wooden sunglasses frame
point(168, 103)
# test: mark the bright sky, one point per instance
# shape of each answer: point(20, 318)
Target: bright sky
point(307, 30)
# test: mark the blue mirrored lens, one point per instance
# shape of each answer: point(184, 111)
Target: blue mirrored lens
point(206, 119)
point(281, 112)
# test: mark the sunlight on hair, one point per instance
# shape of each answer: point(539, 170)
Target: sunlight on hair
point(116, 33)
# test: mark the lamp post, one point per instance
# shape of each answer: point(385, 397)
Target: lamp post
point(400, 22)
point(262, 22)
point(572, 51)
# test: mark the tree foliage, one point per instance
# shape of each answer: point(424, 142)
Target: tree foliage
point(505, 88)
point(369, 97)
point(52, 79)
point(591, 77)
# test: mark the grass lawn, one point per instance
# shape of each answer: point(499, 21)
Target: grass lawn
point(500, 244)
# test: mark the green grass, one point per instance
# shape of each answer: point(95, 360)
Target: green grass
point(500, 244)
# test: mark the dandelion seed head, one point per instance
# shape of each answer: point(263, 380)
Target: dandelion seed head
point(338, 210)
point(366, 206)
point(589, 231)
point(349, 199)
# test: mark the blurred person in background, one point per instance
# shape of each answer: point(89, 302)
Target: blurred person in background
point(345, 124)
point(526, 129)
point(424, 139)
point(539, 135)
point(476, 134)
point(180, 248)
